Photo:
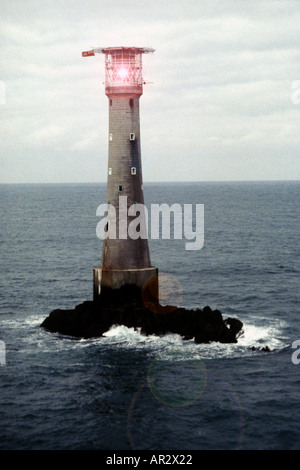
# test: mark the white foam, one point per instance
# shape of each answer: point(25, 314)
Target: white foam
point(121, 331)
point(172, 345)
point(259, 336)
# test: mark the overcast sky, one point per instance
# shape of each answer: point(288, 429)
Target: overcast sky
point(222, 102)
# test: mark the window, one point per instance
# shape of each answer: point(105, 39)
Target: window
point(120, 188)
point(132, 136)
point(110, 102)
point(133, 170)
point(109, 171)
point(131, 102)
point(110, 137)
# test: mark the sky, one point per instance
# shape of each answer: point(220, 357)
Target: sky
point(222, 102)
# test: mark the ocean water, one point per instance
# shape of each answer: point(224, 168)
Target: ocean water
point(125, 391)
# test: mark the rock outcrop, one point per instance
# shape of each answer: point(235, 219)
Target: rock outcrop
point(128, 307)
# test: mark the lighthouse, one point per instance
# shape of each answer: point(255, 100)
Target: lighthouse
point(125, 259)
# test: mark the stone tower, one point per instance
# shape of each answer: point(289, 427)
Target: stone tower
point(125, 258)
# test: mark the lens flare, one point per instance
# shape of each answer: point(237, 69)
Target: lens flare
point(123, 73)
point(210, 397)
point(170, 293)
point(177, 384)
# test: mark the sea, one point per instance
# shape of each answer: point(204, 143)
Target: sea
point(129, 392)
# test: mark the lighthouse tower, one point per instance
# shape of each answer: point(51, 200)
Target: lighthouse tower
point(125, 258)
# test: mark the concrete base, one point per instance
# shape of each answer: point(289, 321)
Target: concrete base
point(116, 278)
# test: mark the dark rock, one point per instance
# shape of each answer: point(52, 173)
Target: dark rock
point(263, 349)
point(130, 307)
point(234, 324)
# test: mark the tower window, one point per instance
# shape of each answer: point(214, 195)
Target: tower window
point(133, 170)
point(110, 102)
point(131, 102)
point(110, 137)
point(132, 136)
point(120, 188)
point(109, 171)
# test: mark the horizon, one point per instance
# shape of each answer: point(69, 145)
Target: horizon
point(148, 182)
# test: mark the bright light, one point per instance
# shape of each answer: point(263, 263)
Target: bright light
point(123, 73)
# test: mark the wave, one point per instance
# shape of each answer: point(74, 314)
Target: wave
point(172, 344)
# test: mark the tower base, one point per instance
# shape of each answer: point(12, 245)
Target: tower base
point(117, 278)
